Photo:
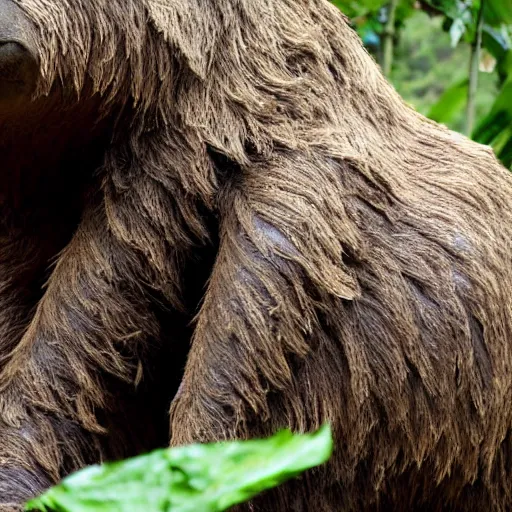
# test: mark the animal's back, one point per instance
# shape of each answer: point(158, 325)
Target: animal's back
point(387, 241)
point(425, 347)
point(414, 371)
point(377, 275)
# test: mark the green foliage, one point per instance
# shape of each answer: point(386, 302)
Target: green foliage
point(195, 478)
point(370, 16)
point(496, 128)
point(436, 40)
point(496, 12)
point(432, 75)
point(450, 103)
point(356, 8)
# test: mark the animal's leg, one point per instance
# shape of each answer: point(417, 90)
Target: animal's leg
point(89, 334)
point(28, 243)
point(280, 261)
point(21, 268)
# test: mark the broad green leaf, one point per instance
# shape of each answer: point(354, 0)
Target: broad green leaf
point(503, 139)
point(451, 102)
point(496, 128)
point(505, 65)
point(355, 8)
point(505, 154)
point(499, 117)
point(498, 12)
point(502, 143)
point(195, 478)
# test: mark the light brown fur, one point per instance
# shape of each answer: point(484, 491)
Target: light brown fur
point(362, 273)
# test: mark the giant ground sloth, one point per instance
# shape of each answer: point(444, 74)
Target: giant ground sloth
point(227, 194)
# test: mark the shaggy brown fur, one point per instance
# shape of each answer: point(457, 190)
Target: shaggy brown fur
point(362, 268)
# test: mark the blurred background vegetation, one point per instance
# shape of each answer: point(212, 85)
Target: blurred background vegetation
point(450, 59)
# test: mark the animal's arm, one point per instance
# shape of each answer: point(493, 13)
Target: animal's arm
point(283, 230)
point(27, 245)
point(19, 262)
point(90, 332)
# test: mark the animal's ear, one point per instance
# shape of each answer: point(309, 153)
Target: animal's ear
point(187, 25)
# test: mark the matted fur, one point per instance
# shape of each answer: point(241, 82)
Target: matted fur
point(363, 273)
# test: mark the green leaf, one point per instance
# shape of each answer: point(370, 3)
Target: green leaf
point(355, 8)
point(496, 128)
point(505, 65)
point(498, 12)
point(450, 8)
point(206, 478)
point(505, 154)
point(499, 117)
point(451, 102)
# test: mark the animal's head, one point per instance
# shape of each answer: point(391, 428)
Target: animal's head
point(78, 47)
point(110, 47)
point(135, 46)
point(18, 54)
point(244, 75)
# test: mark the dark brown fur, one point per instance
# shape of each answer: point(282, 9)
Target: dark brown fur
point(363, 257)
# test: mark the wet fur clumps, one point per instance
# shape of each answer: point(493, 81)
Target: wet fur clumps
point(266, 223)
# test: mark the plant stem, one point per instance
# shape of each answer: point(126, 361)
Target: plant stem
point(476, 49)
point(388, 38)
